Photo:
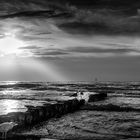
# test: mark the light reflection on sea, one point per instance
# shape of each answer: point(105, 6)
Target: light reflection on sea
point(15, 96)
point(87, 124)
point(9, 106)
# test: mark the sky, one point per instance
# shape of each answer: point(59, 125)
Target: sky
point(67, 40)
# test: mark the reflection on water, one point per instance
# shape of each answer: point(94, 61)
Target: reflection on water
point(121, 101)
point(8, 106)
point(94, 124)
point(9, 82)
point(12, 92)
point(131, 102)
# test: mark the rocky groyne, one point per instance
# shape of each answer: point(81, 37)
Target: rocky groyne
point(35, 115)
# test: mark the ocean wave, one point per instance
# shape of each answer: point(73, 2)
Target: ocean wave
point(109, 107)
point(19, 85)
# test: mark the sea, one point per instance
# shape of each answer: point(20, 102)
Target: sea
point(115, 117)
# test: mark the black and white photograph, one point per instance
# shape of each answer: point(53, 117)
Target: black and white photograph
point(69, 69)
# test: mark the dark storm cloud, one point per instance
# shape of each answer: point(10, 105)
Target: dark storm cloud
point(84, 38)
point(118, 45)
point(64, 25)
point(29, 48)
point(50, 53)
point(12, 6)
point(78, 51)
point(105, 3)
point(33, 8)
point(102, 21)
point(33, 37)
point(100, 50)
point(39, 14)
point(105, 17)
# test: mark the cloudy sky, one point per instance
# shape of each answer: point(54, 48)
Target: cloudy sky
point(67, 40)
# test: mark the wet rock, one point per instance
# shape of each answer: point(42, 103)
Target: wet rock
point(73, 95)
point(91, 96)
point(34, 115)
point(49, 111)
point(97, 96)
point(40, 112)
point(28, 118)
point(21, 118)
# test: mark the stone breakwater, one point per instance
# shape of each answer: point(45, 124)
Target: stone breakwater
point(40, 113)
point(37, 114)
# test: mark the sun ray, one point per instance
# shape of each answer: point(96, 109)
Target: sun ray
point(23, 67)
point(29, 69)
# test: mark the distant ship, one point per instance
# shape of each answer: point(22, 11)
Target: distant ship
point(96, 80)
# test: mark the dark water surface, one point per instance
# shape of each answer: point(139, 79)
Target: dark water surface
point(117, 117)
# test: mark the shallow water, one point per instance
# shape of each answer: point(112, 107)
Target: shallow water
point(90, 125)
point(132, 102)
point(15, 96)
point(97, 124)
point(85, 124)
point(9, 106)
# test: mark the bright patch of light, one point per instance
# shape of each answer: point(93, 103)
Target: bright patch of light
point(10, 45)
point(8, 106)
point(23, 68)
